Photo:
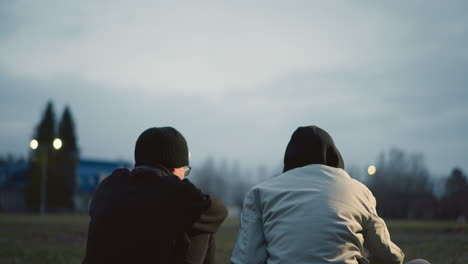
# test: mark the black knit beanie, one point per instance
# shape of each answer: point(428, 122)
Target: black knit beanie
point(311, 145)
point(161, 146)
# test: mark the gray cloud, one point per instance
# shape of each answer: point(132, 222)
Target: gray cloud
point(238, 78)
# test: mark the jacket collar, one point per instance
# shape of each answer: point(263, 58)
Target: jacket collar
point(319, 169)
point(145, 169)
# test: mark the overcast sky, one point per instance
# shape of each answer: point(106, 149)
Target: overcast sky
point(238, 77)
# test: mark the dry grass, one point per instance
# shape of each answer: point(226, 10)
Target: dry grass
point(59, 239)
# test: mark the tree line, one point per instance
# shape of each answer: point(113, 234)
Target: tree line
point(404, 188)
point(402, 185)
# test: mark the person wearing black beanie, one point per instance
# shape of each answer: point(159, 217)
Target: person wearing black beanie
point(153, 213)
point(161, 146)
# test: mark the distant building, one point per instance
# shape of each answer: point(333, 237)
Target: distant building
point(13, 179)
point(12, 182)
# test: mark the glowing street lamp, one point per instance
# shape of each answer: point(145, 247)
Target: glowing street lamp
point(57, 143)
point(371, 170)
point(34, 144)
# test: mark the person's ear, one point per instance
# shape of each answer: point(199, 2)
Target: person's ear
point(179, 172)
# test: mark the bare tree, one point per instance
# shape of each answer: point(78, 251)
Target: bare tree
point(211, 179)
point(402, 186)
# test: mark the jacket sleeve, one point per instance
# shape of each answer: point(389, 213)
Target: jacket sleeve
point(202, 244)
point(250, 247)
point(201, 249)
point(377, 240)
point(211, 219)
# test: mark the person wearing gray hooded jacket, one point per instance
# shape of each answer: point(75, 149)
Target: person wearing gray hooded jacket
point(313, 213)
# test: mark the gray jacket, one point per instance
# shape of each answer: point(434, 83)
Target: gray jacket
point(312, 214)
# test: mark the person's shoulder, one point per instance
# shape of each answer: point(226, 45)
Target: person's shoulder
point(107, 188)
point(354, 182)
point(255, 192)
point(358, 188)
point(188, 190)
point(115, 177)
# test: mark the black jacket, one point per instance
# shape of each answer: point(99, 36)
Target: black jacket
point(146, 216)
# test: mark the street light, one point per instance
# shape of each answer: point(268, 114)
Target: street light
point(371, 170)
point(34, 144)
point(57, 143)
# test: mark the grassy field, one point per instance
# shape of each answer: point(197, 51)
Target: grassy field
point(36, 239)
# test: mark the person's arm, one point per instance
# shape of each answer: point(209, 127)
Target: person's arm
point(250, 247)
point(201, 236)
point(377, 240)
point(199, 248)
point(194, 202)
point(211, 219)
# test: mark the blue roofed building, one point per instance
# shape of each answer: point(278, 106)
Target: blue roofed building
point(14, 176)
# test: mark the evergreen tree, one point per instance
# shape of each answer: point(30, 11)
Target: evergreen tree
point(455, 201)
point(67, 163)
point(41, 163)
